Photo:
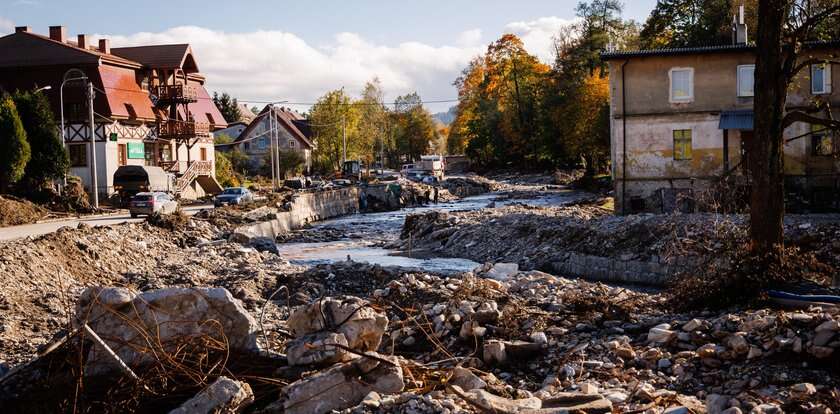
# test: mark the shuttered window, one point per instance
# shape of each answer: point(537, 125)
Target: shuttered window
point(682, 144)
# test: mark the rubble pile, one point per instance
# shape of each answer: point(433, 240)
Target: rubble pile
point(470, 185)
point(16, 211)
point(44, 277)
point(533, 237)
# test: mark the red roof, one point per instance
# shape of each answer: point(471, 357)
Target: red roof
point(122, 91)
point(160, 56)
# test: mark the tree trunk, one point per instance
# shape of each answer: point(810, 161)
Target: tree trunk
point(764, 150)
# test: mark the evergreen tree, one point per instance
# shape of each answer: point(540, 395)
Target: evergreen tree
point(15, 148)
point(49, 159)
point(228, 106)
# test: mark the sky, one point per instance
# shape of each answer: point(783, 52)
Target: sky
point(263, 50)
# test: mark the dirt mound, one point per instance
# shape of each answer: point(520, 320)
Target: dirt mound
point(16, 211)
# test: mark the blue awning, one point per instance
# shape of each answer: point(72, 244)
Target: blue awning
point(742, 120)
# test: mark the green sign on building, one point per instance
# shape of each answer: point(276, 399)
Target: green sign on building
point(136, 150)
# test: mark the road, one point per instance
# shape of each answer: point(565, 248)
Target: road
point(37, 229)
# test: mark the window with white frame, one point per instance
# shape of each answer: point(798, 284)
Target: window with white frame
point(291, 143)
point(746, 80)
point(682, 84)
point(820, 79)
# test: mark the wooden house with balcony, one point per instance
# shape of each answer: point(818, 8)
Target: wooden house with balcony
point(151, 106)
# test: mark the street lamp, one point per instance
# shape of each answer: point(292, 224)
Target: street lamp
point(80, 75)
point(45, 88)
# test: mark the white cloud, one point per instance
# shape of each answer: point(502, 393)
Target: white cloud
point(537, 34)
point(469, 38)
point(6, 26)
point(276, 65)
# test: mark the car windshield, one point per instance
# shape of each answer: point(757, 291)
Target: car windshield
point(233, 191)
point(143, 197)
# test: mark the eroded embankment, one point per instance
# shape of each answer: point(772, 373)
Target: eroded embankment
point(591, 242)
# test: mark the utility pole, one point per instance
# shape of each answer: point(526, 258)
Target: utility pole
point(94, 183)
point(271, 146)
point(344, 139)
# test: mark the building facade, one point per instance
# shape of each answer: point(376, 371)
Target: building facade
point(150, 105)
point(292, 132)
point(680, 118)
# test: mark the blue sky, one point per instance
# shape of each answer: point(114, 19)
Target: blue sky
point(296, 50)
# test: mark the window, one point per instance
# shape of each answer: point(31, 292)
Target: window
point(822, 141)
point(746, 80)
point(291, 143)
point(203, 152)
point(78, 155)
point(262, 143)
point(211, 119)
point(820, 79)
point(682, 85)
point(682, 144)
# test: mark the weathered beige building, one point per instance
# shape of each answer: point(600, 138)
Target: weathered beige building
point(680, 117)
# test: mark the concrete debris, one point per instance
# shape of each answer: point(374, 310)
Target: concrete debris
point(341, 386)
point(224, 396)
point(556, 404)
point(360, 324)
point(465, 379)
point(135, 324)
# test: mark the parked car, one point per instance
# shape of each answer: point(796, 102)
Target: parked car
point(233, 195)
point(405, 169)
point(151, 203)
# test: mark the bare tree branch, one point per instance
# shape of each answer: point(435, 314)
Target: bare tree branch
point(812, 61)
point(801, 116)
point(809, 23)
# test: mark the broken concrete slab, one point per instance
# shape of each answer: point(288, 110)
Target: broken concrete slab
point(342, 386)
point(224, 396)
point(318, 349)
point(131, 323)
point(561, 403)
point(465, 379)
point(361, 325)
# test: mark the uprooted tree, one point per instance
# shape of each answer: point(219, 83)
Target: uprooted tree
point(785, 30)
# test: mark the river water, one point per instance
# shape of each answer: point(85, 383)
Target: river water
point(364, 235)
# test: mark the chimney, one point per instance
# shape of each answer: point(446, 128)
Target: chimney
point(23, 29)
point(82, 42)
point(739, 28)
point(105, 46)
point(58, 33)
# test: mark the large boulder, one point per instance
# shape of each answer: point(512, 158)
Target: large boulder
point(138, 325)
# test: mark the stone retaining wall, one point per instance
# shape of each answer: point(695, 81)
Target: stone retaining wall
point(614, 269)
point(305, 208)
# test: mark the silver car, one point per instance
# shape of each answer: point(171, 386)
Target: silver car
point(151, 203)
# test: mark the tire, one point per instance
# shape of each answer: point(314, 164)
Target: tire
point(133, 215)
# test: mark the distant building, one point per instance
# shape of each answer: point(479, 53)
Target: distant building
point(293, 133)
point(151, 105)
point(680, 118)
point(233, 130)
point(245, 114)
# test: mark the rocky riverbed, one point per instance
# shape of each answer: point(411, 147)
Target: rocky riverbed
point(197, 323)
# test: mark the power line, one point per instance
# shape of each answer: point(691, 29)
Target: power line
point(258, 101)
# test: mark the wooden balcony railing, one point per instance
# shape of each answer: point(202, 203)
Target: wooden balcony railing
point(168, 94)
point(172, 129)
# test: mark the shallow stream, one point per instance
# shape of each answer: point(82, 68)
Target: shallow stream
point(363, 235)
